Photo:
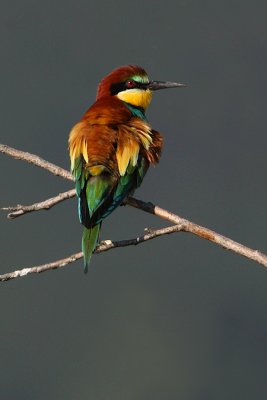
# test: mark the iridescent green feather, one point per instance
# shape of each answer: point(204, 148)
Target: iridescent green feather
point(79, 174)
point(98, 198)
point(137, 112)
point(96, 191)
point(142, 169)
point(89, 242)
point(126, 185)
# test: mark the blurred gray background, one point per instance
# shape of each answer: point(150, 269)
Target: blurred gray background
point(175, 318)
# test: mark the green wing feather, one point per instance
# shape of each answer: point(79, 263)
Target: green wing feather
point(97, 190)
point(99, 196)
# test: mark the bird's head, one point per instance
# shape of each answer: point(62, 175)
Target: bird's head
point(131, 84)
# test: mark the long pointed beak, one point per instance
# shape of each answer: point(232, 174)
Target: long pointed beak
point(157, 85)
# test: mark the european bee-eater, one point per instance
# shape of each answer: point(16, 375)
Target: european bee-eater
point(112, 147)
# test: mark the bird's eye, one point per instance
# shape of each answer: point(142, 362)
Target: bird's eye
point(130, 84)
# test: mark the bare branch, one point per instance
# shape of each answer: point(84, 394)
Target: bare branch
point(35, 160)
point(187, 226)
point(181, 223)
point(103, 246)
point(40, 268)
point(200, 231)
point(19, 210)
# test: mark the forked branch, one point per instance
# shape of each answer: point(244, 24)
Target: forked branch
point(181, 224)
point(105, 245)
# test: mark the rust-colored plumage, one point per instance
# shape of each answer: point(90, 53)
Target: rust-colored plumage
point(112, 147)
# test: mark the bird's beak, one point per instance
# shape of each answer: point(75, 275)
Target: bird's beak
point(157, 85)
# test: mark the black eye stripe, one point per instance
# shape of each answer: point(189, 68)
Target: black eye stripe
point(115, 88)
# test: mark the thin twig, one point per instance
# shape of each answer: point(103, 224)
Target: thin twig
point(103, 246)
point(35, 160)
point(184, 225)
point(40, 268)
point(19, 210)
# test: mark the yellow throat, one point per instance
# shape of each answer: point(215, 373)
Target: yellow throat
point(136, 97)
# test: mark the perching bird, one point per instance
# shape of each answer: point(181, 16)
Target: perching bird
point(112, 147)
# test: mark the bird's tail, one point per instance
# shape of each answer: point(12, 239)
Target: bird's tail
point(89, 242)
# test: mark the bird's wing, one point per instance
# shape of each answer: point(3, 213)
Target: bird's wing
point(107, 165)
point(109, 160)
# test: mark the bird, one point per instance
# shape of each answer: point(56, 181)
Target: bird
point(112, 146)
